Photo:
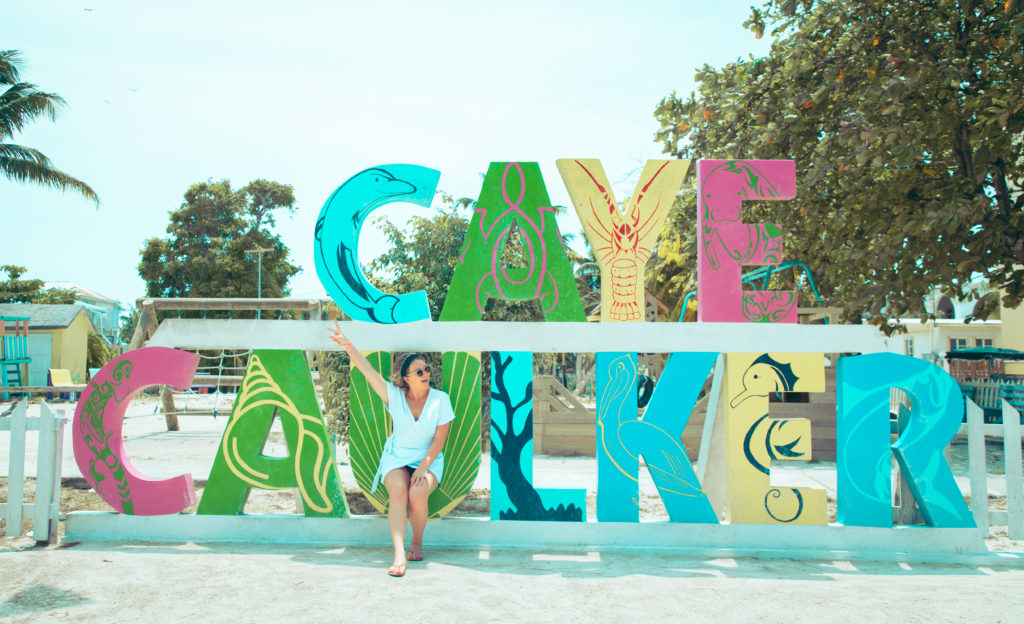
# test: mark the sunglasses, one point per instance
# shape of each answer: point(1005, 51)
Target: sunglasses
point(419, 372)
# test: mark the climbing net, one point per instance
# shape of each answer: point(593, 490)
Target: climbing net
point(217, 369)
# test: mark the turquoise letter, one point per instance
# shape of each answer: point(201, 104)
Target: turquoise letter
point(936, 410)
point(513, 496)
point(336, 241)
point(622, 438)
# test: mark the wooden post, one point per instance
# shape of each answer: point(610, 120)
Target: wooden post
point(170, 410)
point(218, 303)
point(146, 324)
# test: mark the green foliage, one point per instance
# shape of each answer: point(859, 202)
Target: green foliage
point(16, 290)
point(127, 330)
point(57, 296)
point(20, 104)
point(333, 367)
point(904, 120)
point(672, 270)
point(98, 354)
point(204, 253)
point(423, 255)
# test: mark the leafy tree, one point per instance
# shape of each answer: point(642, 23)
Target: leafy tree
point(97, 352)
point(20, 104)
point(205, 251)
point(423, 255)
point(127, 330)
point(16, 290)
point(904, 119)
point(672, 270)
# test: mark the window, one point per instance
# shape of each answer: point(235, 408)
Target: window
point(908, 347)
point(957, 343)
point(983, 342)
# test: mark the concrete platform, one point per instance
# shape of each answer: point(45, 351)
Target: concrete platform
point(835, 542)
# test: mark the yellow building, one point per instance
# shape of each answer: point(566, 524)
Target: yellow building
point(1013, 335)
point(58, 337)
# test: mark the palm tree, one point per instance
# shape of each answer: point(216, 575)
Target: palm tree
point(19, 104)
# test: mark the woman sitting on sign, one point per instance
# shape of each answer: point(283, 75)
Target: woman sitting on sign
point(412, 462)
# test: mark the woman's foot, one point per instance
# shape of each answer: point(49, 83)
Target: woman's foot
point(416, 552)
point(397, 569)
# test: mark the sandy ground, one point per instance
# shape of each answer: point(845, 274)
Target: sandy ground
point(239, 583)
point(85, 582)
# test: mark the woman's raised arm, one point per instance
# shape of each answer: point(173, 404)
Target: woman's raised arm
point(376, 380)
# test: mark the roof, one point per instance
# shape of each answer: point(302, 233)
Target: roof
point(85, 292)
point(44, 316)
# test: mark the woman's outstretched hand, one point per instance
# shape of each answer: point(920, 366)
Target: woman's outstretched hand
point(359, 360)
point(339, 337)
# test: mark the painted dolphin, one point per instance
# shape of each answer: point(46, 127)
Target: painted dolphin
point(336, 241)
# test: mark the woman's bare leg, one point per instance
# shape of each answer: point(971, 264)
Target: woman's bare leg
point(397, 484)
point(418, 512)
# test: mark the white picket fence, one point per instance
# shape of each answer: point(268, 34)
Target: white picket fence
point(1010, 430)
point(46, 508)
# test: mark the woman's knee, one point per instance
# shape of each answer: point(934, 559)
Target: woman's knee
point(418, 494)
point(397, 482)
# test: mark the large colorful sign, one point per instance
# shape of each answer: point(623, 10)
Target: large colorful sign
point(513, 202)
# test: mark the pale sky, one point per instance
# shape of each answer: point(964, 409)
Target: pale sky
point(164, 95)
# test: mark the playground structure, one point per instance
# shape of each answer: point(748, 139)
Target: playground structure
point(562, 424)
point(211, 374)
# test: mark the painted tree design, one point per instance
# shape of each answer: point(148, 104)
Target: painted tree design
point(525, 498)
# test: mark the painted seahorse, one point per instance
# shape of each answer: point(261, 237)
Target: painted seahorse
point(764, 376)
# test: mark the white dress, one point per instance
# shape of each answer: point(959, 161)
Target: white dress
point(410, 437)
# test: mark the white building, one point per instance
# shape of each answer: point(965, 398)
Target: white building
point(932, 339)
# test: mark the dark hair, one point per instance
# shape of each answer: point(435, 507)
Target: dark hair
point(403, 371)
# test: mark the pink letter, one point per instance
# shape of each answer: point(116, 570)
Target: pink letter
point(725, 243)
point(99, 416)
